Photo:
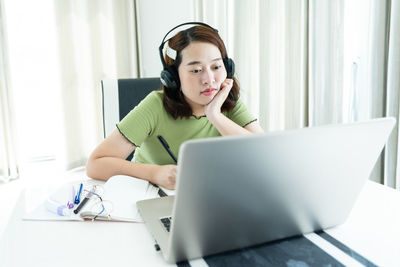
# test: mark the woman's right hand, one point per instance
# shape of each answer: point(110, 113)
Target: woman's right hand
point(165, 175)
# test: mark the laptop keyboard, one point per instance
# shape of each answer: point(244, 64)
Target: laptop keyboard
point(166, 221)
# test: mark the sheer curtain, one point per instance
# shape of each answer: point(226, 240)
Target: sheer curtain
point(308, 63)
point(392, 84)
point(343, 67)
point(8, 162)
point(67, 47)
point(96, 40)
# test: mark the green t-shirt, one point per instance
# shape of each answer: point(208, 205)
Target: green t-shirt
point(146, 121)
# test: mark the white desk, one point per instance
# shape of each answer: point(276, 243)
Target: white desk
point(373, 227)
point(372, 230)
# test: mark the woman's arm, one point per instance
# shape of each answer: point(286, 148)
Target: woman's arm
point(224, 125)
point(109, 159)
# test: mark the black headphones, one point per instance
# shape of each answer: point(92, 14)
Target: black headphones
point(169, 75)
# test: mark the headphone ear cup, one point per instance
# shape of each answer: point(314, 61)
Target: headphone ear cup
point(169, 78)
point(230, 67)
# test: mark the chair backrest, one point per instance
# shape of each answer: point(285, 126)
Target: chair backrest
point(120, 96)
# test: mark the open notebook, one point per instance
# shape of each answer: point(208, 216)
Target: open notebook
point(119, 196)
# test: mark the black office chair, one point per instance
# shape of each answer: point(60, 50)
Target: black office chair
point(120, 96)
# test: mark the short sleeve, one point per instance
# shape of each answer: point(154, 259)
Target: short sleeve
point(241, 115)
point(140, 122)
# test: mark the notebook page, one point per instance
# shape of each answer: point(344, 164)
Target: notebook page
point(124, 191)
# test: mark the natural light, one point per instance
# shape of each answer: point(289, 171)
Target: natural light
point(34, 77)
point(35, 72)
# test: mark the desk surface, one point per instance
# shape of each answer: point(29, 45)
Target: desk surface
point(371, 235)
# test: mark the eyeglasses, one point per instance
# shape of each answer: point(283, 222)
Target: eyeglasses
point(98, 206)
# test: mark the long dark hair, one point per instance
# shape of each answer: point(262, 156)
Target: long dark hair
point(173, 99)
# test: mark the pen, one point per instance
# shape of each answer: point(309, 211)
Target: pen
point(78, 209)
point(78, 195)
point(161, 192)
point(83, 203)
point(166, 146)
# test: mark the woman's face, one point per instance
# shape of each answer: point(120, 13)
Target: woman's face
point(201, 74)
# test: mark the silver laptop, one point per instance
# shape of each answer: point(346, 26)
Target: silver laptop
point(234, 192)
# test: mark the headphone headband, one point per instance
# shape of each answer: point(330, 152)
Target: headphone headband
point(161, 47)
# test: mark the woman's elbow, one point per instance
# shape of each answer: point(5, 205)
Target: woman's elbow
point(92, 169)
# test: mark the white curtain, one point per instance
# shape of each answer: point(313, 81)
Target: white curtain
point(308, 63)
point(8, 162)
point(392, 85)
point(96, 40)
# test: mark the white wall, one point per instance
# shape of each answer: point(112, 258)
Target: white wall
point(155, 18)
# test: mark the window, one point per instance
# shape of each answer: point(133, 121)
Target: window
point(34, 74)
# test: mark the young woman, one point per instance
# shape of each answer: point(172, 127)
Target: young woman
point(199, 98)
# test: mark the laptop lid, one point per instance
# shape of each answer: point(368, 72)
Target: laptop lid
point(239, 191)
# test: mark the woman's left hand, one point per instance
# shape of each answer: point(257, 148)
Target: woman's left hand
point(214, 107)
